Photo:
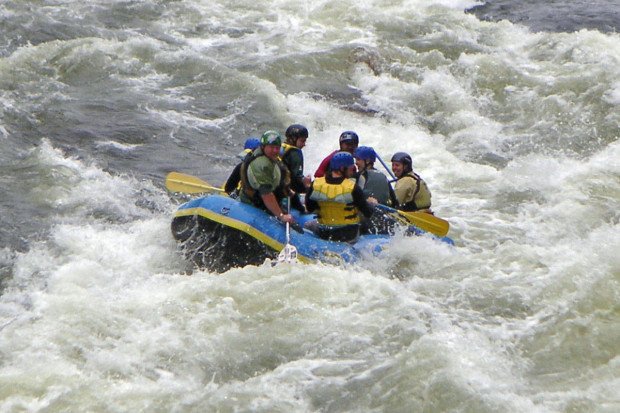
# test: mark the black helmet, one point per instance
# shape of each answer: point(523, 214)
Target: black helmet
point(295, 131)
point(349, 136)
point(403, 158)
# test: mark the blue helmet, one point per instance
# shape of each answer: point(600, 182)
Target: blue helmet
point(365, 153)
point(251, 143)
point(341, 160)
point(349, 137)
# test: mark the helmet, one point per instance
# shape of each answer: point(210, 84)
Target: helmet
point(251, 143)
point(271, 137)
point(365, 153)
point(349, 136)
point(295, 132)
point(403, 158)
point(341, 160)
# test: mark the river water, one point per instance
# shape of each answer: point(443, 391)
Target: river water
point(514, 128)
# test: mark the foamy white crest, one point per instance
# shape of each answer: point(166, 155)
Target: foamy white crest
point(80, 190)
point(612, 96)
point(117, 145)
point(96, 314)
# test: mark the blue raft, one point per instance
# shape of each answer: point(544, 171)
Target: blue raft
point(218, 232)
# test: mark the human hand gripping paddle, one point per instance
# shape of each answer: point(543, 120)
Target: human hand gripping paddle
point(289, 252)
point(424, 221)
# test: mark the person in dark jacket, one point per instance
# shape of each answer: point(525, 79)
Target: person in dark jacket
point(292, 156)
point(373, 182)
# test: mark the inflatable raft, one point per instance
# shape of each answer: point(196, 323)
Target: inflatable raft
point(218, 232)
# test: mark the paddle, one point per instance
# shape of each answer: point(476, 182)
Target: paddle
point(289, 252)
point(389, 171)
point(422, 220)
point(188, 184)
point(178, 182)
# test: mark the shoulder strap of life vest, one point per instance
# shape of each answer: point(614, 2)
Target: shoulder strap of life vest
point(245, 183)
point(411, 205)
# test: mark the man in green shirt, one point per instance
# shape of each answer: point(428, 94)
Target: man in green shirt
point(265, 179)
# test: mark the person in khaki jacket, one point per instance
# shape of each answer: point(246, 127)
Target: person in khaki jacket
point(411, 191)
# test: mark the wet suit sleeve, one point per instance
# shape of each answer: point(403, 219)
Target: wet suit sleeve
point(233, 179)
point(360, 202)
point(322, 169)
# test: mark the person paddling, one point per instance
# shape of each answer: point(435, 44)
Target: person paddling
point(411, 191)
point(338, 201)
point(292, 156)
point(372, 182)
point(265, 179)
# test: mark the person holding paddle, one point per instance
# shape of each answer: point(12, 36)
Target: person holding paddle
point(265, 179)
point(372, 182)
point(411, 190)
point(292, 156)
point(338, 201)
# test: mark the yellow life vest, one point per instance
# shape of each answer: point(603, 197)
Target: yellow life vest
point(285, 148)
point(335, 202)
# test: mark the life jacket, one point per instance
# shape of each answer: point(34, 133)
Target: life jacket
point(335, 202)
point(286, 149)
point(421, 198)
point(376, 185)
point(280, 192)
point(296, 169)
point(243, 155)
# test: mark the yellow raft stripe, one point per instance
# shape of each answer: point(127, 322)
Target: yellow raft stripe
point(241, 226)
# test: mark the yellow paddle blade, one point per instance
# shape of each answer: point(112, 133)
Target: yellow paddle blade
point(422, 220)
point(427, 222)
point(178, 182)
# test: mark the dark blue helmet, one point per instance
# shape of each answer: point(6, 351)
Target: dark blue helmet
point(403, 158)
point(349, 136)
point(295, 132)
point(365, 153)
point(251, 143)
point(341, 160)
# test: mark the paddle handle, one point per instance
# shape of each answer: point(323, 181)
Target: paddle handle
point(288, 225)
point(385, 166)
